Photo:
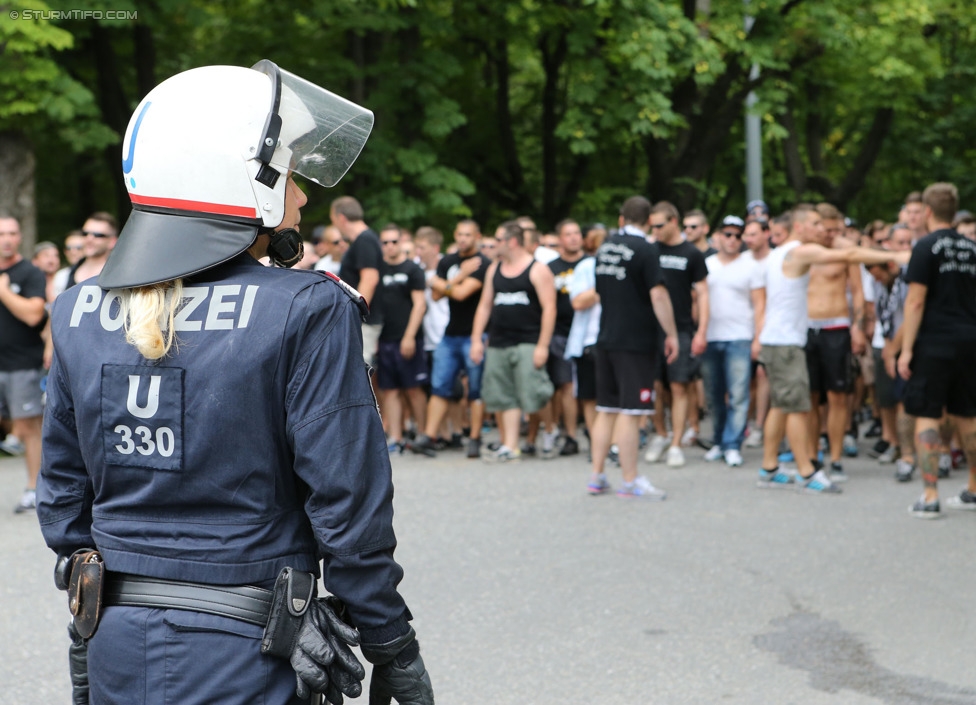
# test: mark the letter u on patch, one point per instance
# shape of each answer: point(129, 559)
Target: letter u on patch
point(152, 402)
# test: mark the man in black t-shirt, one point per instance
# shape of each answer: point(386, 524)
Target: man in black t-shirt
point(459, 279)
point(360, 267)
point(634, 304)
point(559, 368)
point(683, 269)
point(402, 362)
point(22, 317)
point(938, 354)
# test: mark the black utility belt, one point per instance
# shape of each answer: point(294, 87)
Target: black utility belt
point(246, 603)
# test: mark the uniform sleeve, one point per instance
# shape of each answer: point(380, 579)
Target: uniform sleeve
point(64, 488)
point(340, 454)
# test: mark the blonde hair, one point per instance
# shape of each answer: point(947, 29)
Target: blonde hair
point(148, 315)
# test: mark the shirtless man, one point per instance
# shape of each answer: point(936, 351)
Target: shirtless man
point(783, 338)
point(832, 337)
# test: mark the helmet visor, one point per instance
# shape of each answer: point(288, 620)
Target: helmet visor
point(322, 133)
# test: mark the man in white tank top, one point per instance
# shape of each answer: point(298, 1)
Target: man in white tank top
point(783, 338)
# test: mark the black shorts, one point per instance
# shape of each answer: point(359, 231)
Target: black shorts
point(829, 360)
point(889, 392)
point(625, 381)
point(940, 382)
point(684, 369)
point(584, 372)
point(560, 370)
point(394, 372)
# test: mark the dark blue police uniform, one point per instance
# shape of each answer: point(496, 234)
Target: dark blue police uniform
point(254, 445)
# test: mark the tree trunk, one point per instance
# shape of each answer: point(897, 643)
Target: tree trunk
point(17, 185)
point(552, 63)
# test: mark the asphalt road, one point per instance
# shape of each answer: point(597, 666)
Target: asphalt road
point(527, 590)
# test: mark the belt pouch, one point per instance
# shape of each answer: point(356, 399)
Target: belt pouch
point(293, 592)
point(85, 592)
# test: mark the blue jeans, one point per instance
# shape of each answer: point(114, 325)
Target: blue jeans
point(452, 355)
point(726, 369)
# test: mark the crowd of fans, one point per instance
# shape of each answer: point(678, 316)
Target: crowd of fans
point(612, 340)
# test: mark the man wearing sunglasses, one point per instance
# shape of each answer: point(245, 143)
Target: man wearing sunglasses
point(101, 233)
point(683, 271)
point(695, 227)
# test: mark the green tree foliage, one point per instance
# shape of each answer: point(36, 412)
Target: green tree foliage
point(565, 107)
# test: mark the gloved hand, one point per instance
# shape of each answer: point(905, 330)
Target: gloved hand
point(78, 666)
point(322, 659)
point(409, 682)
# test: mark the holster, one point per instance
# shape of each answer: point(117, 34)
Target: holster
point(293, 593)
point(85, 591)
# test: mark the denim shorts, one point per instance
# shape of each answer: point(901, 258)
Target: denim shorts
point(452, 355)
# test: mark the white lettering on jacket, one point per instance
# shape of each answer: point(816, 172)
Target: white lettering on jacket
point(219, 307)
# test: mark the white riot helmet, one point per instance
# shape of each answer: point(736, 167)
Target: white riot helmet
point(205, 160)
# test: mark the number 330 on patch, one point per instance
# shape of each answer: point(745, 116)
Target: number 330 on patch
point(142, 416)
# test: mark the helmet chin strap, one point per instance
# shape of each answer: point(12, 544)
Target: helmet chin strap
point(286, 248)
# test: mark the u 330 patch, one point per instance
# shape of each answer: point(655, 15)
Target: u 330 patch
point(142, 416)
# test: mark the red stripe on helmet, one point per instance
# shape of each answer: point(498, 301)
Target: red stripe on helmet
point(201, 206)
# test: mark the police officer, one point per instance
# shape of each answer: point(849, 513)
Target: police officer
point(210, 432)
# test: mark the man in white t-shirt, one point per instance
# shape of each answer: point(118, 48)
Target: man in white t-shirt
point(756, 237)
point(737, 298)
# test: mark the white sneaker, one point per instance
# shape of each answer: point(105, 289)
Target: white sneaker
point(642, 488)
point(656, 448)
point(714, 453)
point(676, 458)
point(689, 437)
point(549, 439)
point(11, 445)
point(755, 439)
point(733, 458)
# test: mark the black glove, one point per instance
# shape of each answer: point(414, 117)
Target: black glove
point(409, 682)
point(322, 659)
point(78, 666)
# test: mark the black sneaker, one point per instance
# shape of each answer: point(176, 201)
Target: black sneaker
point(456, 442)
point(528, 449)
point(570, 447)
point(945, 465)
point(878, 449)
point(925, 510)
point(422, 445)
point(965, 500)
point(474, 448)
point(875, 430)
